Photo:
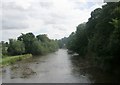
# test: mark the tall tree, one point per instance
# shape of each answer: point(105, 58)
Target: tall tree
point(28, 40)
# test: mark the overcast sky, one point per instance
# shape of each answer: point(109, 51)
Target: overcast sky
point(56, 18)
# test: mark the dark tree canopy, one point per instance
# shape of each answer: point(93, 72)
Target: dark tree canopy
point(101, 36)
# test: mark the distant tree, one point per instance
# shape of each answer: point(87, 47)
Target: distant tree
point(38, 45)
point(4, 48)
point(71, 42)
point(62, 42)
point(42, 38)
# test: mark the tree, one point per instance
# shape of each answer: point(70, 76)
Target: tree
point(36, 48)
point(42, 38)
point(63, 42)
point(71, 42)
point(28, 40)
point(101, 36)
point(4, 48)
point(81, 39)
point(38, 45)
point(16, 47)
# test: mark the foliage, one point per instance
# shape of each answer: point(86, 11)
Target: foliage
point(29, 43)
point(62, 42)
point(101, 36)
point(70, 43)
point(42, 38)
point(78, 41)
point(114, 43)
point(81, 40)
point(16, 47)
point(4, 47)
point(28, 40)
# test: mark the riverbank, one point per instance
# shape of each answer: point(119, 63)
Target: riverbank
point(8, 60)
point(86, 66)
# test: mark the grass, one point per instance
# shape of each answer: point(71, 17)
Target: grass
point(12, 59)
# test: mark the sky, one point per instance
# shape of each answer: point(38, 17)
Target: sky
point(56, 18)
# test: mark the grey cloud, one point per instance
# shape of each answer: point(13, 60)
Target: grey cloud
point(42, 16)
point(55, 19)
point(46, 4)
point(80, 6)
point(58, 16)
point(50, 22)
point(111, 0)
point(60, 27)
point(6, 24)
point(47, 15)
point(11, 5)
point(13, 16)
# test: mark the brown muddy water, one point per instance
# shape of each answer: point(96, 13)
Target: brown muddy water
point(57, 67)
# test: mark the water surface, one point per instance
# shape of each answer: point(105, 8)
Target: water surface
point(57, 67)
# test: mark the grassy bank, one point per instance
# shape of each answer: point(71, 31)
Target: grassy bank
point(12, 59)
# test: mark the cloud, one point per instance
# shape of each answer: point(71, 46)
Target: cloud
point(9, 25)
point(111, 0)
point(13, 16)
point(45, 4)
point(57, 18)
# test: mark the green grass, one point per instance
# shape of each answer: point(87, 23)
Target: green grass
point(12, 59)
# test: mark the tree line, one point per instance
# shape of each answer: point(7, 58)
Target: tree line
point(29, 44)
point(99, 36)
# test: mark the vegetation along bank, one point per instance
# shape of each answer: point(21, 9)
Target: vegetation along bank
point(25, 45)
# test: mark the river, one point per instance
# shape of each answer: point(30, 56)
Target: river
point(57, 67)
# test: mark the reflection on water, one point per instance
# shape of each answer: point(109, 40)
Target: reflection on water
point(58, 67)
point(95, 75)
